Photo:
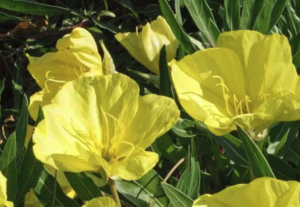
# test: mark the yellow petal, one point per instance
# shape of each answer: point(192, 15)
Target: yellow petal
point(3, 190)
point(198, 80)
point(77, 53)
point(101, 201)
point(59, 145)
point(40, 98)
point(262, 192)
point(155, 116)
point(108, 63)
point(136, 165)
point(240, 42)
point(31, 200)
point(270, 69)
point(146, 45)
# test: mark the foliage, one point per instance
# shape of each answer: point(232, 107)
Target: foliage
point(192, 161)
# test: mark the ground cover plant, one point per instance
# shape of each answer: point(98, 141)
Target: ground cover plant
point(150, 103)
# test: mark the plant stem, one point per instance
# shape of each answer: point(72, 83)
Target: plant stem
point(113, 190)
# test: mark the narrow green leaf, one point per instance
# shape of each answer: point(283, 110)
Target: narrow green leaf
point(184, 128)
point(164, 76)
point(295, 45)
point(177, 198)
point(235, 153)
point(44, 188)
point(177, 11)
point(8, 166)
point(180, 35)
point(277, 12)
point(22, 122)
point(165, 146)
point(10, 18)
point(30, 7)
point(232, 15)
point(51, 202)
point(281, 142)
point(256, 8)
point(144, 192)
point(246, 14)
point(293, 153)
point(257, 161)
point(292, 20)
point(2, 86)
point(83, 185)
point(263, 19)
point(30, 170)
point(189, 182)
point(203, 19)
point(282, 170)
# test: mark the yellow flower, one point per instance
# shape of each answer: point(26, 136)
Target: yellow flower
point(262, 192)
point(145, 46)
point(101, 201)
point(101, 124)
point(3, 196)
point(248, 80)
point(76, 54)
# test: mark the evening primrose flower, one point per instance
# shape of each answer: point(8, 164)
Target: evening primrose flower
point(262, 192)
point(76, 54)
point(101, 123)
point(248, 80)
point(3, 196)
point(145, 46)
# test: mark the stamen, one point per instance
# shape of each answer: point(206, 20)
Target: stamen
point(247, 100)
point(264, 96)
point(225, 95)
point(235, 101)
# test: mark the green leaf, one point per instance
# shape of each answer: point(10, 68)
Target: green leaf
point(180, 35)
point(10, 18)
point(295, 45)
point(164, 77)
point(282, 170)
point(189, 182)
point(203, 19)
point(184, 128)
point(30, 7)
point(30, 170)
point(246, 14)
point(257, 161)
point(292, 20)
point(144, 192)
point(8, 166)
point(165, 146)
point(234, 152)
point(22, 122)
point(293, 153)
point(44, 188)
point(269, 16)
point(83, 185)
point(232, 15)
point(256, 7)
point(281, 142)
point(176, 197)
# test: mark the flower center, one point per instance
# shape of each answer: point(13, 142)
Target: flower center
point(241, 106)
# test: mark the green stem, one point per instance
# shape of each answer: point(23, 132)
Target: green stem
point(114, 192)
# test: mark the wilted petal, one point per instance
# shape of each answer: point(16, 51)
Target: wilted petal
point(262, 192)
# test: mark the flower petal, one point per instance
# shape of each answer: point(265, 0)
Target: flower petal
point(101, 201)
point(131, 43)
point(77, 53)
point(262, 192)
point(136, 165)
point(201, 80)
point(240, 42)
point(155, 116)
point(58, 143)
point(270, 68)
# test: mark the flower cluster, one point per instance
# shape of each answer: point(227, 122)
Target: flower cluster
point(95, 121)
